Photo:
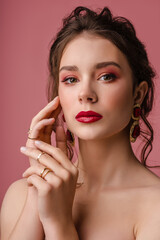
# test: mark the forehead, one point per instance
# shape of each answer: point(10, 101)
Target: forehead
point(87, 48)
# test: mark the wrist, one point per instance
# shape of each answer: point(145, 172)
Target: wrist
point(60, 231)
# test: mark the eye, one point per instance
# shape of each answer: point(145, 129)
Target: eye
point(108, 77)
point(69, 80)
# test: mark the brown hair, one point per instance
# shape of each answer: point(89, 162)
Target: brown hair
point(120, 32)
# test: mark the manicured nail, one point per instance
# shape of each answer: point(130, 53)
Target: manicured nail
point(38, 142)
point(23, 149)
point(50, 119)
point(53, 101)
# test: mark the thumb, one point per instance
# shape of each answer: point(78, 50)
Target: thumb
point(61, 139)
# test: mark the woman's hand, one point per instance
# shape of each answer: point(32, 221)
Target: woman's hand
point(42, 124)
point(54, 176)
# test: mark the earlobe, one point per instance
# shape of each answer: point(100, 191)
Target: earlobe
point(140, 92)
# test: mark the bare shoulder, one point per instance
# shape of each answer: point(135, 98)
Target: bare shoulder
point(149, 208)
point(13, 204)
point(149, 189)
point(15, 195)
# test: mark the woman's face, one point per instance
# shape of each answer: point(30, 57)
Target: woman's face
point(94, 75)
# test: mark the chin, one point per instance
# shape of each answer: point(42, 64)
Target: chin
point(90, 135)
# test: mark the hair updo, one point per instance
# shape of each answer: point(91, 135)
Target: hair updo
point(120, 32)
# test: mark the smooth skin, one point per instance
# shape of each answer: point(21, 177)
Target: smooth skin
point(38, 205)
point(119, 199)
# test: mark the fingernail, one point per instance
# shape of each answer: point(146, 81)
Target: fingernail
point(51, 119)
point(23, 149)
point(38, 142)
point(53, 101)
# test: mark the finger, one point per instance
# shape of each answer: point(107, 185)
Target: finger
point(52, 168)
point(39, 127)
point(48, 130)
point(41, 171)
point(35, 169)
point(56, 153)
point(40, 184)
point(44, 159)
point(33, 161)
point(44, 188)
point(61, 139)
point(46, 112)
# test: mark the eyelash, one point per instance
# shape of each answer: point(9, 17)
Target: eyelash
point(110, 75)
point(68, 78)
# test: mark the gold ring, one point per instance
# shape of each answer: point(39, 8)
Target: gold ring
point(29, 131)
point(40, 155)
point(44, 172)
point(33, 138)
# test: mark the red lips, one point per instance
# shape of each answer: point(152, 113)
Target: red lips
point(88, 117)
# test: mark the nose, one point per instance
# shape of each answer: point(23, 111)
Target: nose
point(87, 94)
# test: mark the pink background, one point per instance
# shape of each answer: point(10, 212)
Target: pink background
point(27, 28)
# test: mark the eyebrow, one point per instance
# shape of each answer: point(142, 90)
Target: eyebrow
point(97, 66)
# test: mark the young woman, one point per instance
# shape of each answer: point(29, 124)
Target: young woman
point(101, 81)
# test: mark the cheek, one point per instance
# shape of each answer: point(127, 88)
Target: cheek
point(120, 100)
point(66, 99)
point(62, 97)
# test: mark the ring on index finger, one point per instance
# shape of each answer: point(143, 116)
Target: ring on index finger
point(29, 131)
point(32, 138)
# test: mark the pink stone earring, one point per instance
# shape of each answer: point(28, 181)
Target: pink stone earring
point(135, 128)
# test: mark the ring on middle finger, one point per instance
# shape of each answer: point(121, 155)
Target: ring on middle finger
point(44, 172)
point(40, 156)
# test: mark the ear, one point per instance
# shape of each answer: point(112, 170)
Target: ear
point(140, 92)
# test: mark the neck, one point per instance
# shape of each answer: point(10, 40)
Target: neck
point(105, 162)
